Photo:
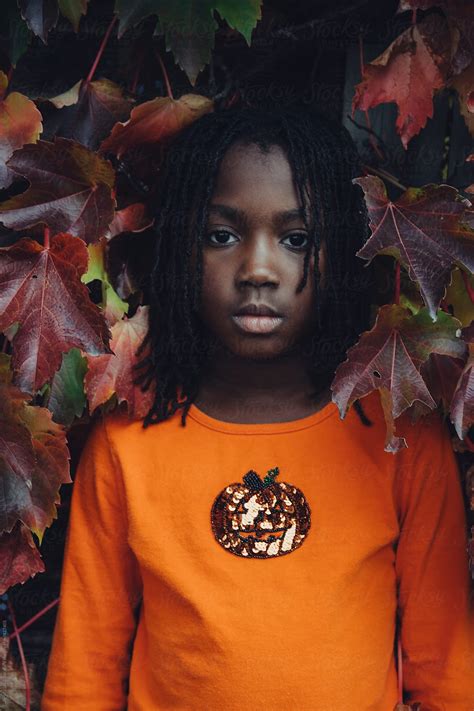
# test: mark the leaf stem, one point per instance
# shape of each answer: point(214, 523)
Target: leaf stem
point(33, 619)
point(101, 49)
point(386, 176)
point(165, 75)
point(46, 242)
point(22, 656)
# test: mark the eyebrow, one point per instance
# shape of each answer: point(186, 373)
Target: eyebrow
point(239, 217)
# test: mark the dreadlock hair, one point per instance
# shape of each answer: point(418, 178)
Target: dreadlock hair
point(322, 155)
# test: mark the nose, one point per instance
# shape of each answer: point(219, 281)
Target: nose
point(258, 264)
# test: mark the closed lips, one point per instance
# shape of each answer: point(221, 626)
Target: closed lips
point(257, 319)
point(257, 310)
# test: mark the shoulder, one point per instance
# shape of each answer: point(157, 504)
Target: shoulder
point(124, 434)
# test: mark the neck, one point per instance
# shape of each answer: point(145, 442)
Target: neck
point(284, 378)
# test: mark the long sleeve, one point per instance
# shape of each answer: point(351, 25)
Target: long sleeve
point(434, 588)
point(100, 592)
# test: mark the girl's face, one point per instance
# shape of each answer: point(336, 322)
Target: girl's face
point(253, 253)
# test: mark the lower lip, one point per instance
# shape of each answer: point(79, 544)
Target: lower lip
point(258, 324)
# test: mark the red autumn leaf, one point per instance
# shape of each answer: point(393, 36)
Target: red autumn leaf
point(19, 557)
point(410, 70)
point(20, 123)
point(389, 357)
point(462, 405)
point(34, 462)
point(109, 374)
point(89, 110)
point(52, 465)
point(132, 218)
point(426, 229)
point(70, 190)
point(156, 120)
point(40, 16)
point(42, 290)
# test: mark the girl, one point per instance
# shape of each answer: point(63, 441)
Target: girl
point(244, 547)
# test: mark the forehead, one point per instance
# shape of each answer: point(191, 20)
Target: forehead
point(247, 173)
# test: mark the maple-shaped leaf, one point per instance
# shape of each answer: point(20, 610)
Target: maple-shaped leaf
point(19, 557)
point(52, 465)
point(132, 218)
point(462, 405)
point(112, 305)
point(66, 399)
point(156, 120)
point(40, 16)
point(41, 289)
point(459, 17)
point(408, 73)
point(389, 357)
point(113, 374)
point(34, 462)
point(189, 27)
point(73, 10)
point(70, 189)
point(426, 229)
point(20, 123)
point(90, 109)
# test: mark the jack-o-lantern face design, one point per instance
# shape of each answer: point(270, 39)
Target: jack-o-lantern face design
point(260, 519)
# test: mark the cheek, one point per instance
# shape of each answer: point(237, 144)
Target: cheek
point(216, 288)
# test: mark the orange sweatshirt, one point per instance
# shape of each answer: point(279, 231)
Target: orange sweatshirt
point(260, 566)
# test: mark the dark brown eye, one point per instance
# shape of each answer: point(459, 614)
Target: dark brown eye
point(300, 238)
point(220, 235)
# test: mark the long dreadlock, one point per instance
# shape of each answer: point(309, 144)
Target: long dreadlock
point(322, 156)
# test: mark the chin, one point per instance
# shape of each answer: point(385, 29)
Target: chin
point(258, 352)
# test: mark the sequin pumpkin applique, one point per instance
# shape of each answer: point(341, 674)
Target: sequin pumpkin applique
point(260, 518)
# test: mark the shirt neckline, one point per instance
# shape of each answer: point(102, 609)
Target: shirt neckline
point(262, 427)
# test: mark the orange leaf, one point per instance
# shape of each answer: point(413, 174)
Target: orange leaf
point(20, 123)
point(155, 120)
point(109, 374)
